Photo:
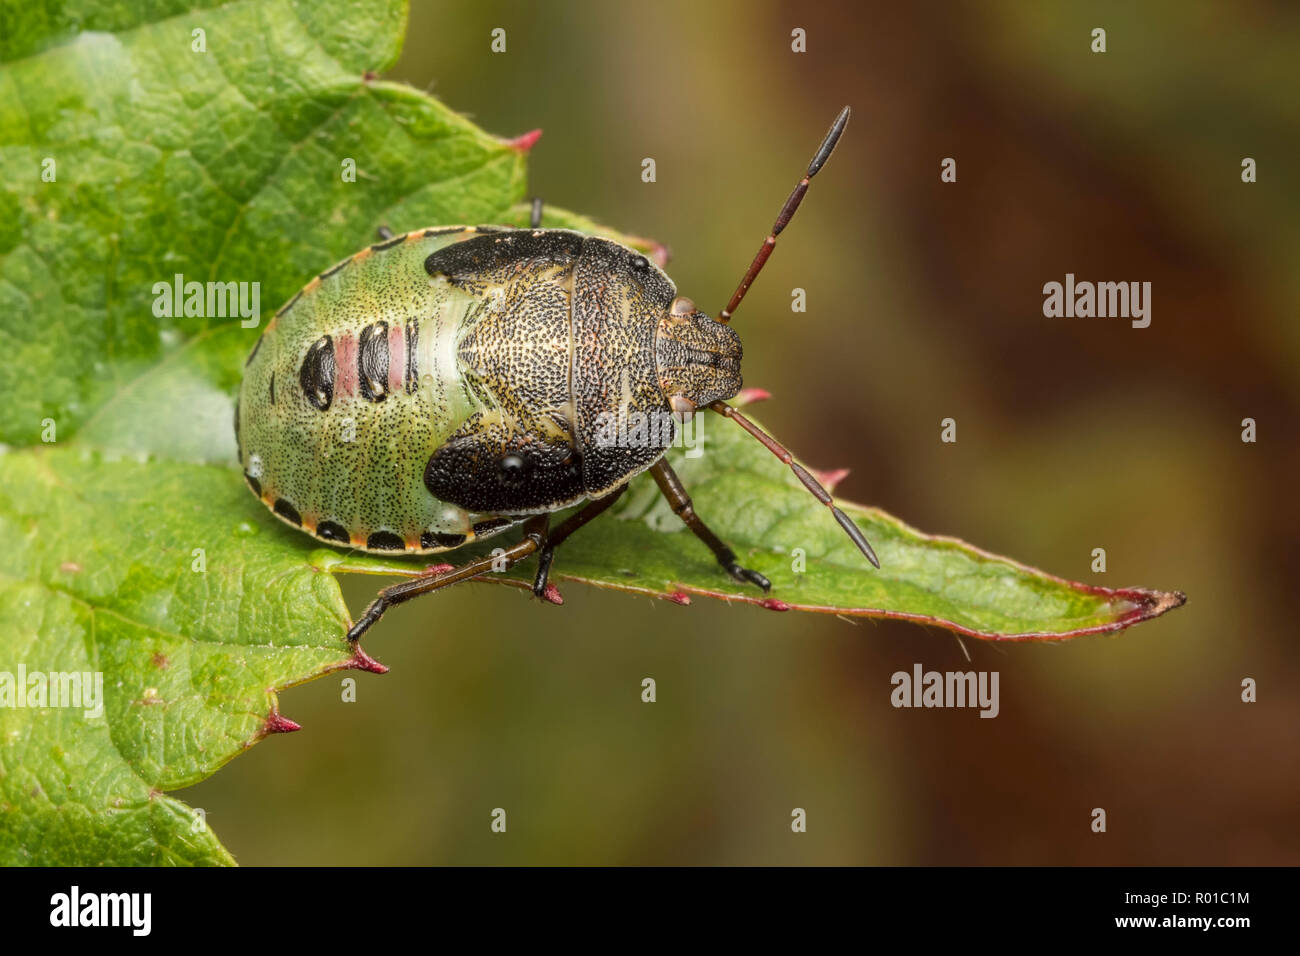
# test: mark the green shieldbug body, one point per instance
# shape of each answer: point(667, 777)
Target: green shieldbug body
point(450, 383)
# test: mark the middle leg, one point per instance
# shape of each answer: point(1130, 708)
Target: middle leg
point(673, 490)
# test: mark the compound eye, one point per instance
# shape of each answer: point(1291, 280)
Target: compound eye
point(681, 308)
point(683, 408)
point(514, 468)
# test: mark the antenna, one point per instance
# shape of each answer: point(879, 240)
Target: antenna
point(809, 482)
point(787, 213)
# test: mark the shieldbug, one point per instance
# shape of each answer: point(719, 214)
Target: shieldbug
point(444, 385)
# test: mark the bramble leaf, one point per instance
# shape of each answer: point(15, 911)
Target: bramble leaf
point(133, 549)
point(129, 157)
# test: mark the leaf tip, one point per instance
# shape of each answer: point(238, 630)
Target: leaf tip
point(277, 723)
point(1146, 604)
point(525, 142)
point(361, 661)
point(1155, 603)
point(748, 396)
point(829, 479)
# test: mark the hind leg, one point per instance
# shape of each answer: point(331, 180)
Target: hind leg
point(534, 540)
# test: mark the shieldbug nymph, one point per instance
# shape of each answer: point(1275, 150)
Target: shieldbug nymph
point(445, 385)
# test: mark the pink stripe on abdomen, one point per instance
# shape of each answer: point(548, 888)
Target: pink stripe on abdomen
point(396, 358)
point(345, 358)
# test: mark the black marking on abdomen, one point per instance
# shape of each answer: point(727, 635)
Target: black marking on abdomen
point(491, 524)
point(289, 305)
point(273, 388)
point(239, 446)
point(444, 230)
point(333, 269)
point(287, 511)
point(388, 243)
point(254, 484)
point(385, 541)
point(436, 539)
point(332, 531)
point(317, 373)
point(372, 362)
point(412, 360)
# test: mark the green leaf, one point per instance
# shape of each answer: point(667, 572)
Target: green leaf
point(226, 165)
point(102, 579)
point(133, 549)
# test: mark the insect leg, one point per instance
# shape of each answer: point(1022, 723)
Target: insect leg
point(570, 525)
point(534, 539)
point(535, 220)
point(384, 233)
point(672, 489)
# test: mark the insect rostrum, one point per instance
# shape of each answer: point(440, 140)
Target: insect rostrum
point(447, 384)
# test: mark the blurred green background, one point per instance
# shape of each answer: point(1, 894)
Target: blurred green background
point(924, 301)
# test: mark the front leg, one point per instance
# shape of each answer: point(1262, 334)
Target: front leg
point(672, 489)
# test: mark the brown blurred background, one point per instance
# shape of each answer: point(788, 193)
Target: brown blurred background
point(924, 301)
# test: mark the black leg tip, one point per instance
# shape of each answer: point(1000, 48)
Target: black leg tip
point(746, 576)
point(544, 560)
point(372, 614)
